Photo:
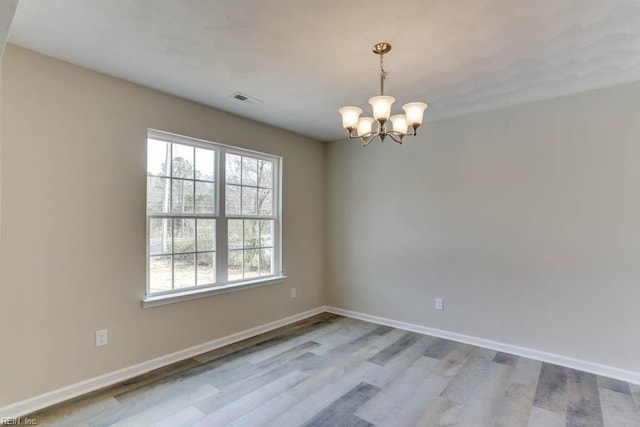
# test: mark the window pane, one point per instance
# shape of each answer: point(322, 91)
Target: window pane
point(265, 174)
point(235, 263)
point(182, 195)
point(264, 202)
point(266, 233)
point(157, 195)
point(249, 198)
point(251, 263)
point(159, 273)
point(205, 165)
point(234, 233)
point(182, 164)
point(206, 235)
point(233, 169)
point(249, 171)
point(160, 233)
point(206, 268)
point(232, 203)
point(266, 262)
point(184, 271)
point(157, 157)
point(205, 197)
point(251, 233)
point(183, 235)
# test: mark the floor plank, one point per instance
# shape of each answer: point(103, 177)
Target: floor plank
point(551, 393)
point(455, 359)
point(387, 373)
point(544, 418)
point(265, 412)
point(394, 395)
point(471, 375)
point(342, 410)
point(413, 409)
point(235, 409)
point(613, 385)
point(635, 393)
point(397, 347)
point(441, 413)
point(485, 398)
point(185, 417)
point(584, 400)
point(516, 406)
point(618, 409)
point(526, 372)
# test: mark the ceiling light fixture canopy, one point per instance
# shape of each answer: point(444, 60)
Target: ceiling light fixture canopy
point(401, 124)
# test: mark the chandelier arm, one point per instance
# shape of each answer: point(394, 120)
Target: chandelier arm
point(370, 136)
point(367, 138)
point(352, 135)
point(397, 137)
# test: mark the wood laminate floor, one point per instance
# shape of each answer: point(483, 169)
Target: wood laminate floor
point(334, 371)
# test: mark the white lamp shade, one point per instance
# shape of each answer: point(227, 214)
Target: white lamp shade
point(381, 106)
point(415, 111)
point(364, 125)
point(350, 116)
point(399, 123)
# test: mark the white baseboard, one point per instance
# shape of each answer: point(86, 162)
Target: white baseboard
point(556, 359)
point(36, 403)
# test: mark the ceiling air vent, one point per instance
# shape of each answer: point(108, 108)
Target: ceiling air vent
point(245, 98)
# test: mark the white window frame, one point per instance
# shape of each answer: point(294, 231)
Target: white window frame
point(222, 285)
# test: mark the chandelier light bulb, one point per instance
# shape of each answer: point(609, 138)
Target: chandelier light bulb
point(415, 112)
point(364, 125)
point(350, 116)
point(399, 123)
point(381, 107)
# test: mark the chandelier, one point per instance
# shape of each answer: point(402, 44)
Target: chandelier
point(362, 127)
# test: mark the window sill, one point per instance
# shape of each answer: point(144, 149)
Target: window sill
point(153, 301)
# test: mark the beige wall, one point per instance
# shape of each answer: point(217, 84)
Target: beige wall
point(7, 10)
point(3, 371)
point(72, 257)
point(1, 144)
point(525, 220)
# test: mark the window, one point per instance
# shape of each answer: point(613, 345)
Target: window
point(213, 217)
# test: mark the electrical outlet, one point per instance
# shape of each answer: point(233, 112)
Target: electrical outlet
point(439, 304)
point(102, 337)
point(293, 292)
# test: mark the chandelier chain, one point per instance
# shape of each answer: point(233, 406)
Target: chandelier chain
point(383, 74)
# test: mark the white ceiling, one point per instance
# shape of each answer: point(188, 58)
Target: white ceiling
point(7, 10)
point(307, 58)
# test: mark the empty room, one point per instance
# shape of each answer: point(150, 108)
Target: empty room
point(320, 213)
